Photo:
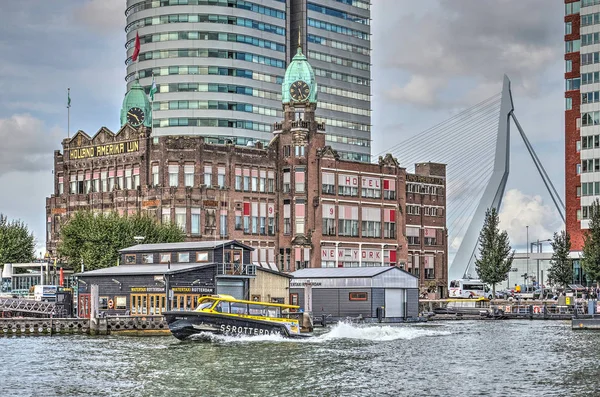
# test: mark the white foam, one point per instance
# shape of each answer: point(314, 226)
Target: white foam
point(378, 333)
point(342, 330)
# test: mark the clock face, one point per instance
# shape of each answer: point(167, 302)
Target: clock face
point(135, 116)
point(299, 91)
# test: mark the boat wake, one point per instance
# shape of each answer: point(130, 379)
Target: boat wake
point(342, 330)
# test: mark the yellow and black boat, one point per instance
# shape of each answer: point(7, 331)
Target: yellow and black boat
point(225, 315)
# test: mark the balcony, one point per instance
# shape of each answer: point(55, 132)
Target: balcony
point(236, 269)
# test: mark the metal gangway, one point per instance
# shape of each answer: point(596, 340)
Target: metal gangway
point(48, 309)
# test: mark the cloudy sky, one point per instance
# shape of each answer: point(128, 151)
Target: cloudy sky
point(429, 62)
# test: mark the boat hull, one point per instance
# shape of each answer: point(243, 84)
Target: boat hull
point(185, 324)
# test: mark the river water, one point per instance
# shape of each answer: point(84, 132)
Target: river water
point(466, 358)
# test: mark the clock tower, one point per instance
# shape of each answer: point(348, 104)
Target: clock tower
point(136, 109)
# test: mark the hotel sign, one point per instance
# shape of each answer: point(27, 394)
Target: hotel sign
point(424, 179)
point(109, 149)
point(330, 254)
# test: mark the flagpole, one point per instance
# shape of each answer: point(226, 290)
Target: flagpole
point(68, 112)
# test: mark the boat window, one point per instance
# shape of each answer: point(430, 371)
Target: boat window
point(475, 287)
point(222, 307)
point(258, 310)
point(454, 284)
point(239, 308)
point(205, 304)
point(273, 312)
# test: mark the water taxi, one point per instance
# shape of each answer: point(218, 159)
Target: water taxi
point(465, 306)
point(225, 315)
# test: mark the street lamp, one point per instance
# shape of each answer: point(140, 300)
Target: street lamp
point(539, 249)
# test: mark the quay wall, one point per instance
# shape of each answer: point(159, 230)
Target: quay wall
point(118, 325)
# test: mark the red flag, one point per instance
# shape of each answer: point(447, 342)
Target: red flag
point(136, 50)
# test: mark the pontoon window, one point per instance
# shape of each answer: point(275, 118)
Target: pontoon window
point(273, 312)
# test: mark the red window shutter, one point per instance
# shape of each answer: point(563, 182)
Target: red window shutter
point(246, 209)
point(386, 184)
point(393, 256)
point(393, 216)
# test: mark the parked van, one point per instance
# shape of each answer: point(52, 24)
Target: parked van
point(45, 293)
point(526, 292)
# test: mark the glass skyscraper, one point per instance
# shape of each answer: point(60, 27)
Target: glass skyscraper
point(219, 64)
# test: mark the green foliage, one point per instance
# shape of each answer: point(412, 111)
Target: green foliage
point(97, 238)
point(496, 258)
point(591, 245)
point(561, 268)
point(17, 244)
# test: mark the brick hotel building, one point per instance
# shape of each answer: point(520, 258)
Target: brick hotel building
point(294, 199)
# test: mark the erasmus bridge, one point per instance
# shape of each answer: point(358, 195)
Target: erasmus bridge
point(475, 145)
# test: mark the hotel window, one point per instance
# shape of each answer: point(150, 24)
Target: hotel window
point(61, 186)
point(183, 257)
point(271, 218)
point(429, 267)
point(389, 189)
point(208, 175)
point(120, 182)
point(155, 175)
point(238, 179)
point(429, 236)
point(389, 223)
point(136, 177)
point(173, 175)
point(371, 187)
point(180, 214)
point(246, 179)
point(263, 219)
point(572, 46)
point(238, 220)
point(287, 214)
point(221, 177)
point(347, 185)
point(286, 151)
point(299, 150)
point(271, 182)
point(96, 181)
point(299, 215)
point(165, 257)
point(328, 219)
point(412, 235)
point(569, 66)
point(328, 183)
point(569, 27)
point(254, 174)
point(195, 227)
point(246, 217)
point(147, 258)
point(188, 175)
point(201, 256)
point(348, 221)
point(223, 223)
point(73, 184)
point(88, 181)
point(254, 218)
point(286, 181)
point(299, 179)
point(111, 180)
point(128, 178)
point(371, 222)
point(262, 185)
point(413, 210)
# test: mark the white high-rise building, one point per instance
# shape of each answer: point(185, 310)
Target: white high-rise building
point(219, 65)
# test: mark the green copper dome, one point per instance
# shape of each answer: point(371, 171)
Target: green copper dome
point(136, 108)
point(299, 70)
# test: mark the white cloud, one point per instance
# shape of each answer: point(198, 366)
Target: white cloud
point(103, 16)
point(26, 144)
point(520, 210)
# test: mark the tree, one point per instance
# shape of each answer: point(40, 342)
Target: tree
point(590, 262)
point(96, 239)
point(17, 244)
point(495, 252)
point(561, 268)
